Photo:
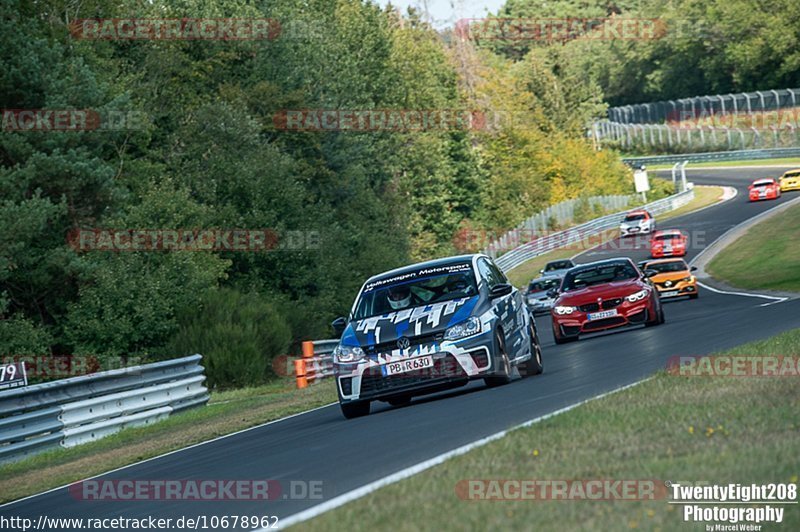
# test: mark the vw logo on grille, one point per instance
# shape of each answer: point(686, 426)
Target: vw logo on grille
point(403, 342)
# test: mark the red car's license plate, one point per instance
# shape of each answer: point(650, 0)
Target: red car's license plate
point(600, 315)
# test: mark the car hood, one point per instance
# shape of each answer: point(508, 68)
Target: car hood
point(603, 291)
point(417, 321)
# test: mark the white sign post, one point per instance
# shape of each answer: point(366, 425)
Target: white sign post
point(641, 182)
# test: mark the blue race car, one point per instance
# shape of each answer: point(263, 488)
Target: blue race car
point(432, 326)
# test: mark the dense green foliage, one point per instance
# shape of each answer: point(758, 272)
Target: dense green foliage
point(703, 47)
point(208, 154)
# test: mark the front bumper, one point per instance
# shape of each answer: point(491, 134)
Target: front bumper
point(572, 325)
point(634, 230)
point(679, 289)
point(674, 252)
point(790, 185)
point(454, 363)
point(540, 306)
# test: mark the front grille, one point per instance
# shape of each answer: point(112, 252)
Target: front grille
point(602, 324)
point(447, 368)
point(607, 304)
point(388, 347)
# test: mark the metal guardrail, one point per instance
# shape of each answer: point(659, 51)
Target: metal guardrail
point(316, 362)
point(737, 155)
point(72, 411)
point(576, 234)
point(560, 213)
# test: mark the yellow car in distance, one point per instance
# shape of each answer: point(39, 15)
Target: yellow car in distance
point(671, 277)
point(790, 180)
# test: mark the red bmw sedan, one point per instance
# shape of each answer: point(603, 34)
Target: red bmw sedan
point(603, 295)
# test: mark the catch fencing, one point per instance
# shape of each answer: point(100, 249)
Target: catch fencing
point(672, 110)
point(69, 412)
point(741, 121)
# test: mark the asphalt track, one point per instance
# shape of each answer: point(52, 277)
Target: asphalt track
point(343, 455)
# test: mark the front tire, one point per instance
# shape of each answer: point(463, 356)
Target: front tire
point(534, 365)
point(355, 409)
point(502, 363)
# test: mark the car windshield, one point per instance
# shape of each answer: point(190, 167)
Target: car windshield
point(558, 265)
point(665, 267)
point(759, 185)
point(415, 289)
point(669, 236)
point(543, 285)
point(599, 274)
point(634, 217)
point(792, 174)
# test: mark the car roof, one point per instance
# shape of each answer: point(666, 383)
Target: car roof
point(763, 181)
point(638, 211)
point(794, 172)
point(604, 261)
point(668, 232)
point(436, 263)
point(546, 278)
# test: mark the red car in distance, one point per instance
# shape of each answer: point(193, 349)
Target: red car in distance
point(603, 295)
point(764, 189)
point(668, 243)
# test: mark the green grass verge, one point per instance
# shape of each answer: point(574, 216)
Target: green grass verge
point(715, 430)
point(767, 256)
point(226, 412)
point(522, 274)
point(751, 162)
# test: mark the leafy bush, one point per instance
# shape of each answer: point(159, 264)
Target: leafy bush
point(237, 334)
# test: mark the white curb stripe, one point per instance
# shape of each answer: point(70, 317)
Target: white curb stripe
point(357, 493)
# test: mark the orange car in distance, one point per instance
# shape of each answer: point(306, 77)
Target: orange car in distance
point(672, 277)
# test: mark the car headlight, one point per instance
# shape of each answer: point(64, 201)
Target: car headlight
point(346, 354)
point(469, 327)
point(687, 279)
point(564, 310)
point(638, 296)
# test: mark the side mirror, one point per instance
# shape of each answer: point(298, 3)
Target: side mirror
point(650, 273)
point(693, 269)
point(339, 325)
point(552, 293)
point(500, 290)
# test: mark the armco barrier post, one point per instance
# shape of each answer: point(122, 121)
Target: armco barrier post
point(300, 372)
